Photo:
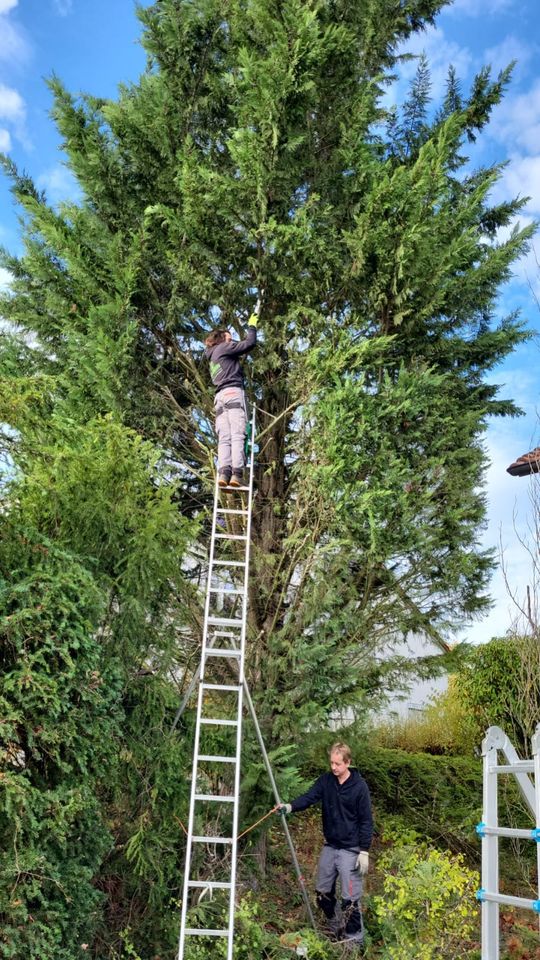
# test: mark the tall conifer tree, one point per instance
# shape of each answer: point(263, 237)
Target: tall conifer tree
point(255, 156)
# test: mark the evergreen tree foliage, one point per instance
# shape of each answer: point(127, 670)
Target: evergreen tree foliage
point(254, 156)
point(92, 600)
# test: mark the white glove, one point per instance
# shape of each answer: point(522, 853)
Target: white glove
point(285, 808)
point(362, 862)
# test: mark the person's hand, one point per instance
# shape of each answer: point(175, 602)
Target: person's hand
point(284, 808)
point(362, 862)
point(253, 320)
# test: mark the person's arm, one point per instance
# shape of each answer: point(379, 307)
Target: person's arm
point(365, 819)
point(313, 795)
point(237, 347)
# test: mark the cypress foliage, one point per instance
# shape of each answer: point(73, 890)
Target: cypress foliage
point(255, 156)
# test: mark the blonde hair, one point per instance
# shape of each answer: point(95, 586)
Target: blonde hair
point(342, 748)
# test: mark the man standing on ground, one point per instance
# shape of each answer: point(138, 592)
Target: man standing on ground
point(348, 830)
point(222, 353)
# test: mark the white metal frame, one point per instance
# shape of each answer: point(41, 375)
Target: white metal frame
point(490, 831)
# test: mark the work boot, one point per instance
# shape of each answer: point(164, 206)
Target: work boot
point(237, 479)
point(525, 465)
point(224, 478)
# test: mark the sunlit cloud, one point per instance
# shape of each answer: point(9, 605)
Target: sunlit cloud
point(5, 279)
point(508, 50)
point(13, 113)
point(516, 121)
point(441, 53)
point(59, 184)
point(14, 47)
point(12, 106)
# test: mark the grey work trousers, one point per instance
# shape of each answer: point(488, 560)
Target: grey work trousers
point(230, 408)
point(334, 864)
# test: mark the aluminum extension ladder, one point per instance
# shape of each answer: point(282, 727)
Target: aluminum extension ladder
point(219, 706)
point(490, 831)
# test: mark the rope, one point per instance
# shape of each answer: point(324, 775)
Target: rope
point(253, 825)
point(240, 835)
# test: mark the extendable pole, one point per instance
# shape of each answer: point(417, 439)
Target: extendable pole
point(273, 783)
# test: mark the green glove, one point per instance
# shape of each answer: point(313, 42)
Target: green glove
point(253, 320)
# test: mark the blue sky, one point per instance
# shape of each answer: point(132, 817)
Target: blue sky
point(92, 45)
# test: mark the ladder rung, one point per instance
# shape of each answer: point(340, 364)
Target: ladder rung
point(223, 633)
point(507, 900)
point(200, 932)
point(220, 652)
point(216, 759)
point(517, 832)
point(242, 513)
point(230, 536)
point(211, 839)
point(228, 563)
point(214, 796)
point(210, 884)
point(224, 622)
point(222, 686)
point(520, 766)
point(235, 489)
point(223, 723)
point(224, 591)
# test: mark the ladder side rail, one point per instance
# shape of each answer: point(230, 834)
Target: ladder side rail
point(209, 575)
point(234, 845)
point(189, 839)
point(248, 549)
point(490, 854)
point(199, 671)
point(536, 758)
point(241, 671)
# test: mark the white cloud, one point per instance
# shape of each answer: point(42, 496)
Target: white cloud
point(12, 106)
point(516, 121)
point(509, 49)
point(440, 53)
point(6, 5)
point(63, 7)
point(59, 184)
point(5, 140)
point(14, 47)
point(521, 178)
point(5, 279)
point(13, 113)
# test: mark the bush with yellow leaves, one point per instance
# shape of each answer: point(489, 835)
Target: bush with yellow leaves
point(427, 907)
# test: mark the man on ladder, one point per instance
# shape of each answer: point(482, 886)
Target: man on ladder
point(230, 402)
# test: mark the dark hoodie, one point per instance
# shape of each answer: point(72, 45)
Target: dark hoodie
point(346, 810)
point(225, 369)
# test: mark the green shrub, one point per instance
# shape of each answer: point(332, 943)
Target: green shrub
point(251, 940)
point(445, 727)
point(499, 685)
point(427, 907)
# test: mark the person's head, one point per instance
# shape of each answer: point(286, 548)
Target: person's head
point(217, 336)
point(340, 759)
